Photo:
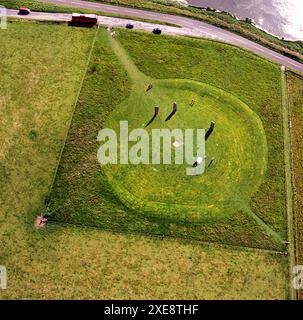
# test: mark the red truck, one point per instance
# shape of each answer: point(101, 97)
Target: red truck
point(84, 19)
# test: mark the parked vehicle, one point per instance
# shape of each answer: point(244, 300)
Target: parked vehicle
point(24, 11)
point(157, 31)
point(129, 26)
point(84, 19)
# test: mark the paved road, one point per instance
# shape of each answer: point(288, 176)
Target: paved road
point(115, 22)
point(189, 26)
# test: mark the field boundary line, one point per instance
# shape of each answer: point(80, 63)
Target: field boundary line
point(288, 181)
point(295, 220)
point(165, 237)
point(293, 176)
point(265, 226)
point(71, 119)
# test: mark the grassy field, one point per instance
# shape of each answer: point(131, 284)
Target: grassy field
point(169, 185)
point(253, 80)
point(70, 262)
point(295, 90)
point(74, 263)
point(84, 194)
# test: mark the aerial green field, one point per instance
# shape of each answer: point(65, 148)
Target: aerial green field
point(44, 65)
point(167, 187)
point(241, 197)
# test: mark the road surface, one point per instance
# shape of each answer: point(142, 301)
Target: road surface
point(189, 27)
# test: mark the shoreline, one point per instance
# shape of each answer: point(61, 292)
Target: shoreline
point(286, 36)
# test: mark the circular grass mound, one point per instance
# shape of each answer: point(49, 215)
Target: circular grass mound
point(238, 147)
